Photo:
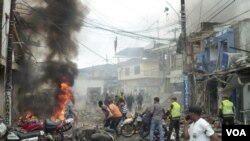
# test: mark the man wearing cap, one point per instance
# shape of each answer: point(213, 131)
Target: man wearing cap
point(175, 115)
point(226, 110)
point(197, 128)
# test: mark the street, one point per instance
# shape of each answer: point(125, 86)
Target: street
point(91, 118)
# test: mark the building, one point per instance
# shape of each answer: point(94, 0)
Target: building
point(154, 70)
point(95, 80)
point(222, 68)
point(139, 72)
point(171, 64)
point(217, 53)
point(5, 19)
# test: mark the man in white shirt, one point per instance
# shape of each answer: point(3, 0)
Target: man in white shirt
point(197, 128)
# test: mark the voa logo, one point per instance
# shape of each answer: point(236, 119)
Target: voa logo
point(236, 132)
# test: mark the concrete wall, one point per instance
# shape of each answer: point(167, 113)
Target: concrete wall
point(80, 89)
point(242, 35)
point(246, 97)
point(147, 84)
point(81, 85)
point(148, 69)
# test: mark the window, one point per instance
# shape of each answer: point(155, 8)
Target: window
point(137, 70)
point(126, 71)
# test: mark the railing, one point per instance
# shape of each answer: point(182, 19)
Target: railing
point(246, 116)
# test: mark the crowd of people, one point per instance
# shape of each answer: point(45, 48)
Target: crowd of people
point(195, 128)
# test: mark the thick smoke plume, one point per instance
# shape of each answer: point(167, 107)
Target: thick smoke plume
point(55, 22)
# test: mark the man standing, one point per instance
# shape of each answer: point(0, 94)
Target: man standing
point(139, 100)
point(197, 128)
point(175, 115)
point(130, 100)
point(226, 111)
point(156, 122)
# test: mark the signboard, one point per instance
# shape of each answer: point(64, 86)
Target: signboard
point(185, 97)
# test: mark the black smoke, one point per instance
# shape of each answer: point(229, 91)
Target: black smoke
point(56, 23)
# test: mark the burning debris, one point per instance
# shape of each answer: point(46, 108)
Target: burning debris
point(47, 92)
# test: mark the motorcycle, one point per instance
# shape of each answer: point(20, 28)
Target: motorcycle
point(130, 126)
point(30, 125)
point(16, 134)
point(133, 125)
point(54, 130)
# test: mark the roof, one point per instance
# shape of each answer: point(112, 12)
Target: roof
point(131, 52)
point(135, 53)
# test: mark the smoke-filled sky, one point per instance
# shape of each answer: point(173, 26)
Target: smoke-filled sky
point(56, 23)
point(138, 15)
point(128, 15)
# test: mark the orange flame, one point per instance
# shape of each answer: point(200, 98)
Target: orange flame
point(63, 98)
point(29, 116)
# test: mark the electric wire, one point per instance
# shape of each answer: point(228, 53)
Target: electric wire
point(119, 31)
point(213, 14)
point(59, 28)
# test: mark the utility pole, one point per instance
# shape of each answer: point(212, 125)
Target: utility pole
point(8, 67)
point(184, 56)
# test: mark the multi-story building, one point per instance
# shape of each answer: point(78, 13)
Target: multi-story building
point(4, 20)
point(171, 64)
point(156, 71)
point(222, 67)
point(140, 72)
point(217, 52)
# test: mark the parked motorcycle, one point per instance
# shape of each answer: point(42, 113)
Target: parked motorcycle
point(57, 129)
point(133, 125)
point(30, 125)
point(54, 130)
point(16, 134)
point(130, 126)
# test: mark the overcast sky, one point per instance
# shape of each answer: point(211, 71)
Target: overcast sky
point(128, 15)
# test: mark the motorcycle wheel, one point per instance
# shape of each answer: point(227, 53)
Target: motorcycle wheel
point(128, 130)
point(52, 137)
point(59, 136)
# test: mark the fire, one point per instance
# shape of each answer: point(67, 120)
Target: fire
point(29, 116)
point(63, 99)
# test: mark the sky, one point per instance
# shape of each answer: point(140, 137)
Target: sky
point(146, 17)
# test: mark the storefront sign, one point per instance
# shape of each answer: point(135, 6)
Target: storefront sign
point(185, 93)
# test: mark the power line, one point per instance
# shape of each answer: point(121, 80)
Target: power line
point(220, 9)
point(115, 30)
point(237, 16)
point(125, 33)
point(58, 27)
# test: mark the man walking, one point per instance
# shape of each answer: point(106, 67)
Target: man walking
point(156, 122)
point(226, 110)
point(196, 128)
point(175, 115)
